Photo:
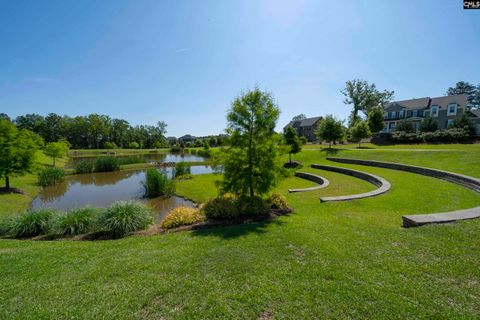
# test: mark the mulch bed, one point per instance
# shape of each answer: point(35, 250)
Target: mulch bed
point(12, 190)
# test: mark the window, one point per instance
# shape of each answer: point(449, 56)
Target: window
point(450, 122)
point(391, 126)
point(452, 109)
point(434, 111)
point(394, 114)
point(414, 113)
point(400, 114)
point(385, 115)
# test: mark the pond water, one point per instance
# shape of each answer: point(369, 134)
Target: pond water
point(102, 189)
point(158, 157)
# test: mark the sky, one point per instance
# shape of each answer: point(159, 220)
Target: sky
point(184, 62)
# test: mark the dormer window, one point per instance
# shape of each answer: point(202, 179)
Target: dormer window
point(452, 109)
point(434, 111)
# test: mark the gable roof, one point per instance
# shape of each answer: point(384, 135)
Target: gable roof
point(419, 103)
point(475, 112)
point(308, 122)
point(460, 99)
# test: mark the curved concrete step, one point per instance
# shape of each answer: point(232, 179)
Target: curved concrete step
point(421, 219)
point(322, 182)
point(382, 184)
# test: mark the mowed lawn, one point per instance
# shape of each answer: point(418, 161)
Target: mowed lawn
point(325, 260)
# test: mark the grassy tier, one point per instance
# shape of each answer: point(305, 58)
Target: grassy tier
point(326, 260)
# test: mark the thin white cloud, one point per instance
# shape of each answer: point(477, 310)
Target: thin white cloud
point(182, 50)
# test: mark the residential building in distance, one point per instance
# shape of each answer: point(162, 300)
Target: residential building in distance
point(305, 127)
point(443, 109)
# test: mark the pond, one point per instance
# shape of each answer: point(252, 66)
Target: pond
point(102, 189)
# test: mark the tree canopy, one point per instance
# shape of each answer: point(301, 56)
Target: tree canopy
point(330, 129)
point(292, 141)
point(250, 164)
point(298, 117)
point(360, 131)
point(364, 97)
point(18, 149)
point(56, 149)
point(472, 92)
point(375, 119)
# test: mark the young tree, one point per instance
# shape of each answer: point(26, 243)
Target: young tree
point(375, 119)
point(298, 117)
point(292, 140)
point(464, 122)
point(472, 93)
point(18, 149)
point(250, 164)
point(364, 97)
point(360, 131)
point(428, 124)
point(330, 129)
point(56, 149)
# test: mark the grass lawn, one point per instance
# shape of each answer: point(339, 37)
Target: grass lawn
point(325, 260)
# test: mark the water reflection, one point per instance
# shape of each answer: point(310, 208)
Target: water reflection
point(101, 189)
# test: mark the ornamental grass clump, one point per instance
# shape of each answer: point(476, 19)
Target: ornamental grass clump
point(32, 223)
point(277, 201)
point(123, 217)
point(50, 176)
point(76, 221)
point(107, 164)
point(157, 184)
point(84, 166)
point(182, 216)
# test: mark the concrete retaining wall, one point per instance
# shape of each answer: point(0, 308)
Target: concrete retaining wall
point(322, 182)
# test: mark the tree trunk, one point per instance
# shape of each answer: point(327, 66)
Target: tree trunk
point(250, 156)
point(7, 183)
point(360, 141)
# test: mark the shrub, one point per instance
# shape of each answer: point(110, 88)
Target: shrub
point(50, 176)
point(84, 166)
point(76, 221)
point(449, 135)
point(105, 164)
point(110, 145)
point(157, 184)
point(131, 159)
point(303, 139)
point(252, 206)
point(182, 216)
point(123, 217)
point(182, 169)
point(221, 208)
point(277, 201)
point(133, 145)
point(6, 226)
point(176, 148)
point(32, 223)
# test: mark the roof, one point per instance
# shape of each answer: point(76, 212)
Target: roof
point(475, 112)
point(460, 99)
point(308, 122)
point(412, 103)
point(186, 137)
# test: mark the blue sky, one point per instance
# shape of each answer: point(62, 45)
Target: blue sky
point(185, 61)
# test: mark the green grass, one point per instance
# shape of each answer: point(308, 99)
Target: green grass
point(325, 260)
point(118, 152)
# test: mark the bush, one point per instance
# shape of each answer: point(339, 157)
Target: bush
point(277, 201)
point(76, 221)
point(157, 184)
point(6, 226)
point(84, 166)
point(182, 216)
point(131, 159)
point(50, 176)
point(252, 206)
point(221, 208)
point(303, 139)
point(176, 148)
point(182, 169)
point(133, 145)
point(32, 223)
point(123, 217)
point(110, 145)
point(449, 135)
point(106, 164)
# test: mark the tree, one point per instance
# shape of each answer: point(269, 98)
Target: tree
point(18, 149)
point(428, 124)
point(299, 117)
point(4, 116)
point(250, 164)
point(375, 119)
point(464, 122)
point(472, 93)
point(330, 129)
point(364, 97)
point(292, 140)
point(404, 125)
point(56, 149)
point(360, 131)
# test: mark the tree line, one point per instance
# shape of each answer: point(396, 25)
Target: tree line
point(94, 131)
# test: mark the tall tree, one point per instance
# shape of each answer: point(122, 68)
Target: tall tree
point(360, 131)
point(364, 97)
point(56, 149)
point(330, 129)
point(375, 119)
point(18, 149)
point(4, 116)
point(472, 93)
point(292, 141)
point(298, 117)
point(250, 164)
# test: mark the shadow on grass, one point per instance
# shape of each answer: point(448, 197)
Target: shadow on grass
point(330, 151)
point(238, 230)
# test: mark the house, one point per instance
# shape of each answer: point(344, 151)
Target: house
point(305, 127)
point(474, 115)
point(186, 138)
point(443, 109)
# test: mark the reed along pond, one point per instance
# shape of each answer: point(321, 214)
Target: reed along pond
point(103, 188)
